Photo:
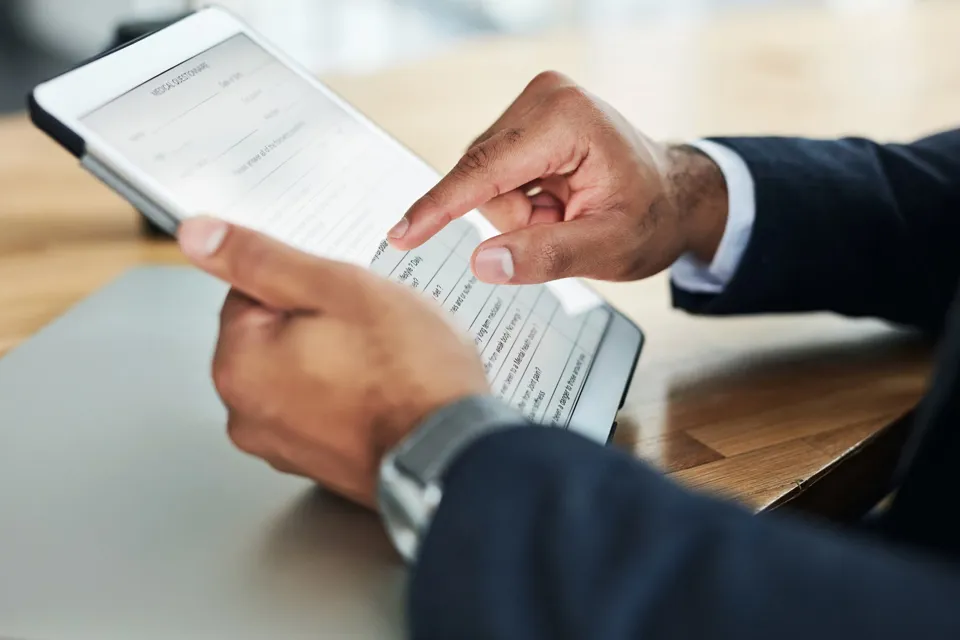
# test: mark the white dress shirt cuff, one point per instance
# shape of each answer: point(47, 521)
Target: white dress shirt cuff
point(693, 275)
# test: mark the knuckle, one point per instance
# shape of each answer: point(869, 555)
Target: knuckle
point(568, 97)
point(548, 78)
point(358, 286)
point(512, 136)
point(282, 466)
point(358, 278)
point(475, 160)
point(430, 201)
point(231, 305)
point(231, 381)
point(227, 381)
point(483, 137)
point(553, 260)
point(243, 436)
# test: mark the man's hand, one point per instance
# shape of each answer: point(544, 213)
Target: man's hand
point(324, 366)
point(576, 191)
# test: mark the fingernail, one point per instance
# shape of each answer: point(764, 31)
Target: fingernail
point(399, 229)
point(202, 236)
point(494, 265)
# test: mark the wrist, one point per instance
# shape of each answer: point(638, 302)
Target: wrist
point(698, 190)
point(412, 407)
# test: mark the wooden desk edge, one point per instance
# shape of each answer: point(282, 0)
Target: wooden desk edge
point(848, 489)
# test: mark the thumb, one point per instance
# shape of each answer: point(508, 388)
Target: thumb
point(273, 273)
point(592, 247)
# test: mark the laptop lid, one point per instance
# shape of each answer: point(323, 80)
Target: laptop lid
point(125, 512)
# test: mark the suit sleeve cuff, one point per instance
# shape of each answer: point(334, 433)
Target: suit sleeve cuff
point(694, 276)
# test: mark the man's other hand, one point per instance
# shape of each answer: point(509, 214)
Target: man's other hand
point(575, 190)
point(322, 365)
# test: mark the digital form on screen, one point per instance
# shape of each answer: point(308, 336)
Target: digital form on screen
point(236, 133)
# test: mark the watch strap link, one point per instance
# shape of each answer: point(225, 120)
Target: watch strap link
point(427, 453)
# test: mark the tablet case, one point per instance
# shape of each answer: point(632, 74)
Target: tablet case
point(125, 35)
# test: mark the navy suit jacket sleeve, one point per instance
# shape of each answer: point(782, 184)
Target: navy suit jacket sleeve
point(544, 535)
point(849, 226)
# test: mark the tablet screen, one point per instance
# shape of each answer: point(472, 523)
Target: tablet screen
point(235, 133)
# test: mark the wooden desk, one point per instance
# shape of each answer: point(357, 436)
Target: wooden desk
point(767, 410)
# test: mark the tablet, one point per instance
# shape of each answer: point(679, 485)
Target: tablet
point(206, 116)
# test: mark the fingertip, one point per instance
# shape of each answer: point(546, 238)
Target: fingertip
point(403, 244)
point(399, 230)
point(201, 236)
point(398, 236)
point(413, 230)
point(494, 265)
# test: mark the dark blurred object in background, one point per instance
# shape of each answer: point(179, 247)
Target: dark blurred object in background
point(130, 31)
point(23, 64)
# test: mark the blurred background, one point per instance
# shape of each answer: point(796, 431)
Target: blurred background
point(39, 38)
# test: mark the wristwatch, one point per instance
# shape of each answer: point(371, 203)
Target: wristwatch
point(411, 475)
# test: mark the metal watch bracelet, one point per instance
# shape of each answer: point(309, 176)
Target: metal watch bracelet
point(410, 485)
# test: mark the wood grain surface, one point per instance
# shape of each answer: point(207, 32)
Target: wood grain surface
point(766, 410)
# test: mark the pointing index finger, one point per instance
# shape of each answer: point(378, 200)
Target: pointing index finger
point(509, 159)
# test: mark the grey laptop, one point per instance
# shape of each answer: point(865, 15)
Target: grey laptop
point(124, 511)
